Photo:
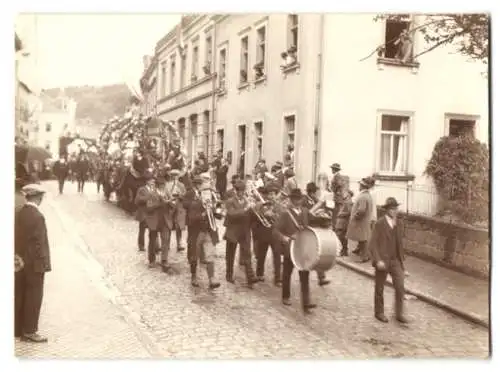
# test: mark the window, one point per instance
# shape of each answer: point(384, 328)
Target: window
point(172, 75)
point(258, 140)
point(48, 126)
point(398, 40)
point(293, 31)
point(195, 62)
point(183, 70)
point(461, 127)
point(394, 144)
point(290, 131)
point(163, 79)
point(222, 69)
point(220, 140)
point(261, 51)
point(208, 51)
point(244, 60)
point(206, 131)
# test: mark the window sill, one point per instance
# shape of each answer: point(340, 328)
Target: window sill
point(260, 80)
point(396, 62)
point(394, 177)
point(290, 68)
point(243, 85)
point(221, 92)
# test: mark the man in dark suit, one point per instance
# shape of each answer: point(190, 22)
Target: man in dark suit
point(289, 223)
point(149, 203)
point(33, 252)
point(61, 171)
point(237, 225)
point(203, 234)
point(82, 171)
point(386, 247)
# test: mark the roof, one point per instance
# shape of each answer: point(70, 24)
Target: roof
point(186, 20)
point(50, 104)
point(25, 87)
point(18, 43)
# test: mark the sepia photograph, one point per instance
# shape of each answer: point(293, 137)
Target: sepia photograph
point(238, 186)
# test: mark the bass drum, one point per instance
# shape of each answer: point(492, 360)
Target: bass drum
point(315, 249)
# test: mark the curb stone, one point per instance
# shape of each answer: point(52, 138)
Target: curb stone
point(469, 316)
point(107, 287)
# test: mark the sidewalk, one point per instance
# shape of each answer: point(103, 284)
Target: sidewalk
point(77, 316)
point(458, 293)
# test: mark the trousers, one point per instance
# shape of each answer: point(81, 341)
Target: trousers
point(261, 248)
point(395, 269)
point(28, 296)
point(304, 281)
point(245, 254)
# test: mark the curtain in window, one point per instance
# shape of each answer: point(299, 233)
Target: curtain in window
point(399, 148)
point(385, 153)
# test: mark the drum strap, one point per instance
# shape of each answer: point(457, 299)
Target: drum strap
point(294, 220)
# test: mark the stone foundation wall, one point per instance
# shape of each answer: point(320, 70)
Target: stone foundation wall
point(459, 247)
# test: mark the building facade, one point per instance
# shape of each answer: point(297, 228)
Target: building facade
point(148, 85)
point(280, 79)
point(56, 119)
point(384, 116)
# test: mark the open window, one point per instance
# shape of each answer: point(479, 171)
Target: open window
point(261, 53)
point(259, 137)
point(398, 39)
point(222, 69)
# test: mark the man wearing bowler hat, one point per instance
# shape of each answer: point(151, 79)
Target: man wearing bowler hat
point(386, 247)
point(289, 223)
point(32, 253)
point(359, 228)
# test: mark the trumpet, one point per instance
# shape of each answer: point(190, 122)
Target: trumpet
point(210, 202)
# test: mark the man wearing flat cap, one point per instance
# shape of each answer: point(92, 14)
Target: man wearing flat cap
point(177, 190)
point(289, 223)
point(359, 229)
point(32, 254)
point(263, 234)
point(237, 223)
point(148, 202)
point(337, 186)
point(386, 247)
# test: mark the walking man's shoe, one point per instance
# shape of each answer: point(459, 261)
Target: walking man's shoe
point(402, 319)
point(286, 302)
point(323, 282)
point(33, 337)
point(382, 318)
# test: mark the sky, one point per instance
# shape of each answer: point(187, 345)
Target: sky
point(89, 49)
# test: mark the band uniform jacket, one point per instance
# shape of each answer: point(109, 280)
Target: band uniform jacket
point(178, 213)
point(361, 214)
point(237, 220)
point(272, 211)
point(199, 220)
point(378, 243)
point(61, 170)
point(285, 226)
point(149, 203)
point(31, 239)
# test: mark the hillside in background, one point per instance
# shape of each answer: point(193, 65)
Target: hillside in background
point(97, 103)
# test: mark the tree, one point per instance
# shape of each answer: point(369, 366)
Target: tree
point(467, 33)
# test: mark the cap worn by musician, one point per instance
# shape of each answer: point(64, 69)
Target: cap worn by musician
point(238, 232)
point(289, 222)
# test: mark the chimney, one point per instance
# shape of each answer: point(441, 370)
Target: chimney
point(146, 60)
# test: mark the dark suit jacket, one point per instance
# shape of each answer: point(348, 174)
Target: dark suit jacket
point(337, 187)
point(149, 204)
point(285, 227)
point(199, 220)
point(31, 239)
point(237, 221)
point(378, 242)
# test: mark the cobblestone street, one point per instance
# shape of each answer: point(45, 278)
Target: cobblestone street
point(234, 322)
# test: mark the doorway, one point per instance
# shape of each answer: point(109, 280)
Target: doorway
point(242, 150)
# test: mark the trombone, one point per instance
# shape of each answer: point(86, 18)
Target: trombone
point(209, 201)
